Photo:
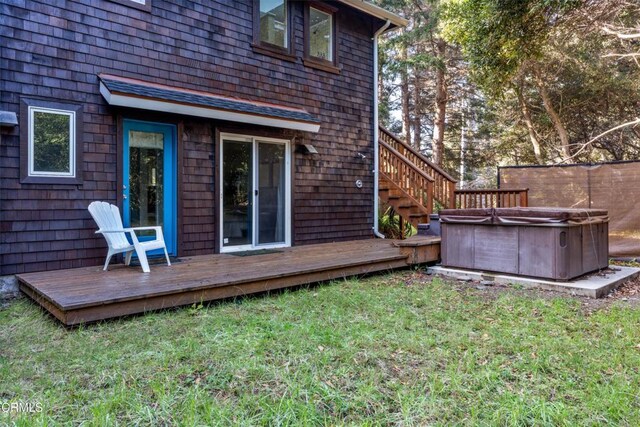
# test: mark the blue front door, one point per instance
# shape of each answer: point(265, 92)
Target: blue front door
point(149, 187)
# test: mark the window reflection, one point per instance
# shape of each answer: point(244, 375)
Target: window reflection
point(146, 170)
point(320, 34)
point(273, 22)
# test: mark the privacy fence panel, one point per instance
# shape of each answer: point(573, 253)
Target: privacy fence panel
point(611, 186)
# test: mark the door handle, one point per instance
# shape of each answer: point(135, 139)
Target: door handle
point(256, 192)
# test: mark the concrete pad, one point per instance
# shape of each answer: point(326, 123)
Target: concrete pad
point(594, 285)
point(8, 287)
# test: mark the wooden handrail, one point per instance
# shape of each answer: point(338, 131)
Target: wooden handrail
point(407, 162)
point(444, 184)
point(406, 176)
point(409, 148)
point(492, 198)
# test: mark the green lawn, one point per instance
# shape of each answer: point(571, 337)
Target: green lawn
point(399, 349)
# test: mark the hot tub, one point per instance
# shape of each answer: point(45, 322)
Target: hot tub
point(551, 243)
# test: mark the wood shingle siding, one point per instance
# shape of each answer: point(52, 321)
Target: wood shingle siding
point(55, 51)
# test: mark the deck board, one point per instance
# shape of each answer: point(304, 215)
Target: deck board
point(88, 294)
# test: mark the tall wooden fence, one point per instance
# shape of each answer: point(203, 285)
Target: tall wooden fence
point(611, 186)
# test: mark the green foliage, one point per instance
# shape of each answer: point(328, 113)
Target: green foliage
point(51, 140)
point(391, 225)
point(498, 36)
point(555, 46)
point(499, 48)
point(409, 54)
point(596, 94)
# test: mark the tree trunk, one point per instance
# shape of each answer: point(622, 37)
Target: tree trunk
point(417, 112)
point(440, 104)
point(526, 117)
point(404, 95)
point(463, 147)
point(565, 149)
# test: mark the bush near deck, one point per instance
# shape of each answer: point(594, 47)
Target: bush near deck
point(397, 349)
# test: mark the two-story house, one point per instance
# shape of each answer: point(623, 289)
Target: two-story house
point(235, 125)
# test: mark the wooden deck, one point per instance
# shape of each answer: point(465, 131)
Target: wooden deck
point(83, 295)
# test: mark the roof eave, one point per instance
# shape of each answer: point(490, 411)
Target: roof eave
point(378, 12)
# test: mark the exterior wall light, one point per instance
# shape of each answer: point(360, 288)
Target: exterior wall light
point(306, 149)
point(8, 119)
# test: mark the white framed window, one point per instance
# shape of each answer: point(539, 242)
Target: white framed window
point(52, 142)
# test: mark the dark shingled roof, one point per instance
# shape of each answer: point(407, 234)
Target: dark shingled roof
point(202, 99)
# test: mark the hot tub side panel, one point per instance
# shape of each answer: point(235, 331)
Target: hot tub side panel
point(459, 251)
point(496, 248)
point(595, 246)
point(562, 252)
point(534, 250)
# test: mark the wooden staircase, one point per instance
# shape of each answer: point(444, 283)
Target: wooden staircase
point(404, 205)
point(444, 185)
point(414, 186)
point(409, 182)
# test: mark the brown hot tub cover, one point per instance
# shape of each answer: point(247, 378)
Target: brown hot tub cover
point(467, 216)
point(519, 216)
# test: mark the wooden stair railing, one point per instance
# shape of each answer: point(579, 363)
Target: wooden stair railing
point(443, 184)
point(492, 198)
point(404, 186)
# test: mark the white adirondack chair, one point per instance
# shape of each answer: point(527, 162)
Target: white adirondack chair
point(107, 217)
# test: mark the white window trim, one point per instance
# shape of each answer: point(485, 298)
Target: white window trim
point(287, 207)
point(72, 143)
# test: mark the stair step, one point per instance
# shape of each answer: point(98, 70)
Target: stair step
point(406, 206)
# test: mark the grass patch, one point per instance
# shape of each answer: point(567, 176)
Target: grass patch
point(370, 352)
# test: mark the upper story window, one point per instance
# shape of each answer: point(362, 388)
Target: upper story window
point(273, 24)
point(320, 36)
point(51, 142)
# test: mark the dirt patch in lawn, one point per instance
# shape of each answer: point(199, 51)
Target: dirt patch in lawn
point(628, 293)
point(6, 300)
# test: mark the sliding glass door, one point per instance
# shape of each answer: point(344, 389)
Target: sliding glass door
point(255, 193)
